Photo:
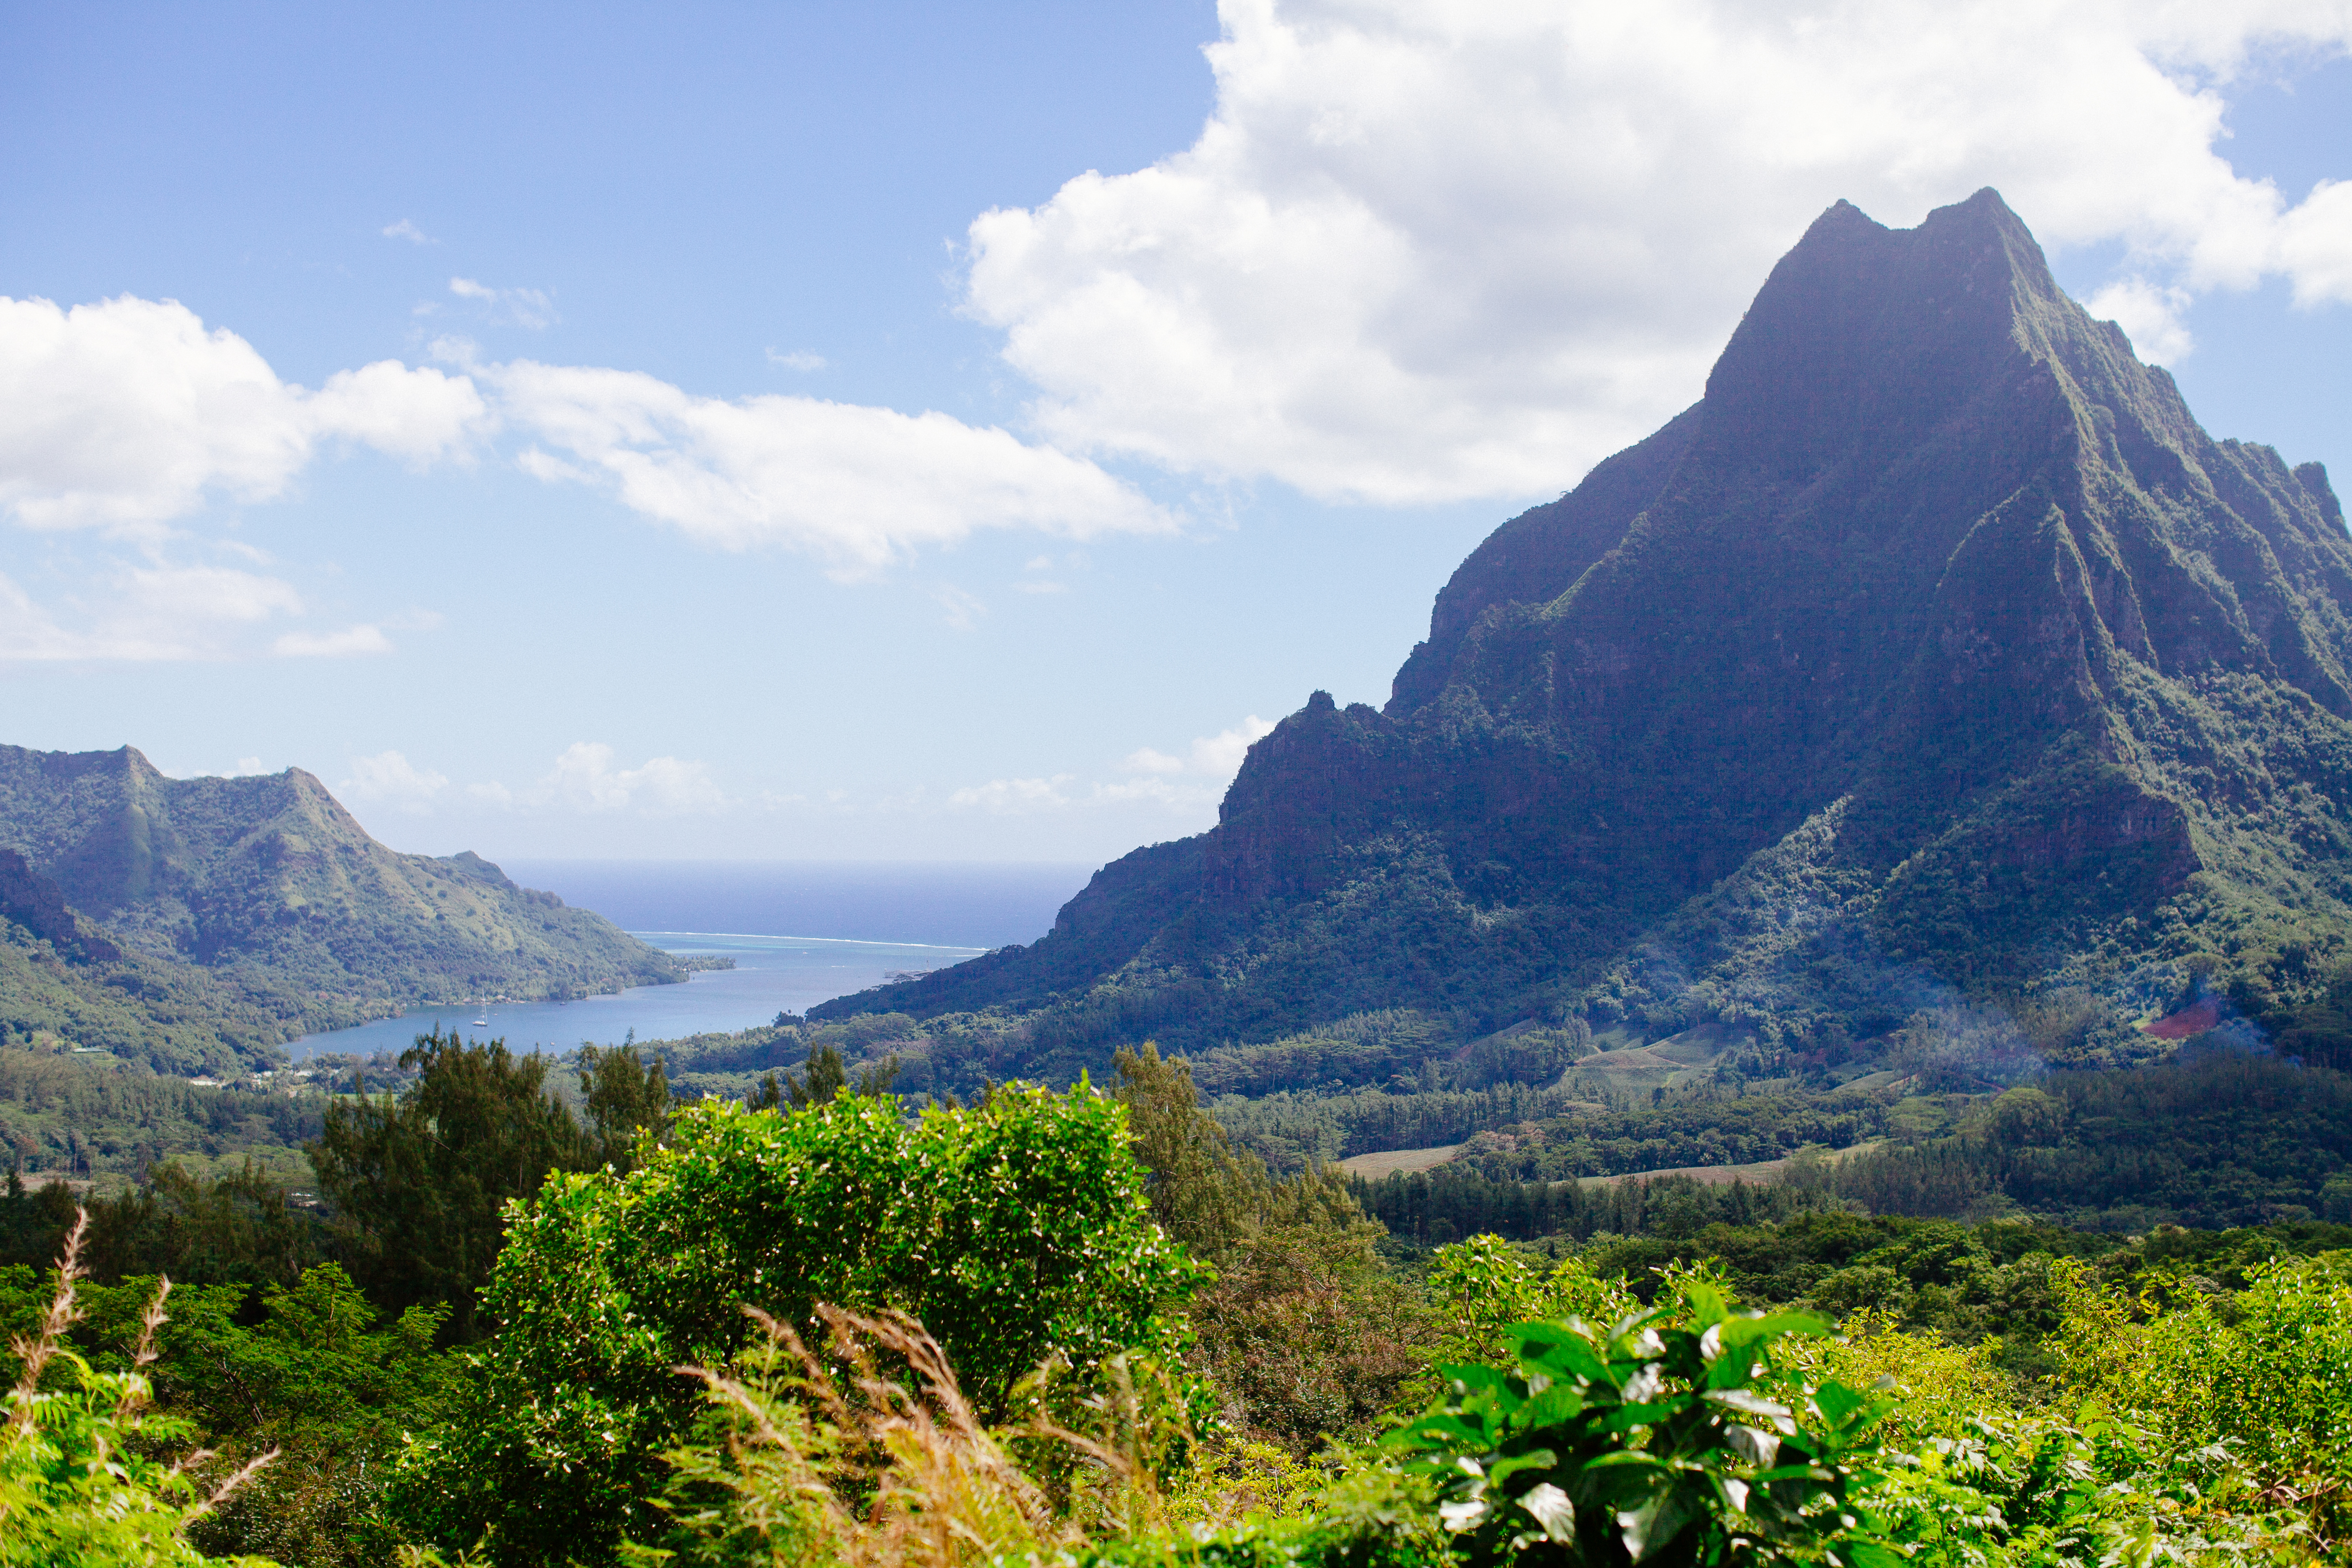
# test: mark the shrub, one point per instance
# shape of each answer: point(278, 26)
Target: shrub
point(1671, 1438)
point(1016, 1230)
point(79, 1483)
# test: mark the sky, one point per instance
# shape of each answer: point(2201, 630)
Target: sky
point(939, 432)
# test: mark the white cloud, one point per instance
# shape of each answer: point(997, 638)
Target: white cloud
point(126, 414)
point(1217, 756)
point(508, 307)
point(408, 231)
point(963, 609)
point(389, 778)
point(857, 486)
point(246, 767)
point(1013, 796)
point(343, 644)
point(421, 414)
point(799, 359)
point(1189, 784)
point(1425, 252)
point(2316, 244)
point(585, 780)
point(2150, 314)
point(145, 614)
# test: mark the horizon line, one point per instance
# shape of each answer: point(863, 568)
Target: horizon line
point(852, 941)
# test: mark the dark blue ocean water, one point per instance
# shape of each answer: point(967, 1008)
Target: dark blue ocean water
point(799, 933)
point(959, 904)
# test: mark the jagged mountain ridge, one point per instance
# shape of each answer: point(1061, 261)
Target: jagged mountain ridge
point(1937, 649)
point(268, 882)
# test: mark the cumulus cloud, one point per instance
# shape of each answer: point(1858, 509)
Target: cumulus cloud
point(2316, 244)
point(126, 414)
point(1217, 756)
point(799, 359)
point(857, 485)
point(1427, 252)
point(508, 307)
point(585, 780)
point(2150, 314)
point(1190, 784)
point(408, 231)
point(389, 778)
point(144, 615)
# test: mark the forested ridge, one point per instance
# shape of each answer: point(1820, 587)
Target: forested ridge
point(198, 924)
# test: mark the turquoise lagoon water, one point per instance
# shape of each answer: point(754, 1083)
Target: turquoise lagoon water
point(861, 923)
point(772, 975)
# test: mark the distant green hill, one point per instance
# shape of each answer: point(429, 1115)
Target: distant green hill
point(1935, 681)
point(231, 914)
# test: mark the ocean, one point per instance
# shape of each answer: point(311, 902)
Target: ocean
point(800, 934)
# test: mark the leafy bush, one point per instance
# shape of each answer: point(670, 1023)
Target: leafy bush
point(1670, 1437)
point(79, 1483)
point(1015, 1230)
point(2266, 1374)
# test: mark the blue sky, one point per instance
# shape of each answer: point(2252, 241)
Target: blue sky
point(532, 451)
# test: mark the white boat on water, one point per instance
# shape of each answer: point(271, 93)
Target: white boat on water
point(482, 1022)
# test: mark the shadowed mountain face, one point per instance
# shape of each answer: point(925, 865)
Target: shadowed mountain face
point(270, 878)
point(1936, 648)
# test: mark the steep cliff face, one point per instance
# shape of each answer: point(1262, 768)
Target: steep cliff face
point(1938, 580)
point(272, 873)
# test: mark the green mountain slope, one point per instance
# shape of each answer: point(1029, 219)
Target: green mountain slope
point(1936, 661)
point(260, 903)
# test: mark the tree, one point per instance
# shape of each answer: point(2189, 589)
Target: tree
point(1203, 1192)
point(1305, 1334)
point(237, 1230)
point(421, 1184)
point(1012, 1230)
point(625, 1096)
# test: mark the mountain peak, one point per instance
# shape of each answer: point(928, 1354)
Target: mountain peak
point(1938, 619)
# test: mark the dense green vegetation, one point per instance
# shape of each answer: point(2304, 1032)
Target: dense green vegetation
point(197, 924)
point(82, 1117)
point(1098, 1323)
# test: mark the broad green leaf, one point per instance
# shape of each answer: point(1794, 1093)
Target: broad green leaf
point(1745, 1402)
point(1646, 1529)
point(1553, 1511)
point(1749, 1330)
point(1561, 1402)
point(1459, 1517)
point(1534, 1459)
point(1758, 1448)
point(1705, 1302)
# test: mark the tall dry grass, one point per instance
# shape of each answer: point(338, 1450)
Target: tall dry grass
point(70, 1479)
point(872, 1457)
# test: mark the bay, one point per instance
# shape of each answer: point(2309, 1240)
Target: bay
point(800, 934)
point(772, 975)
